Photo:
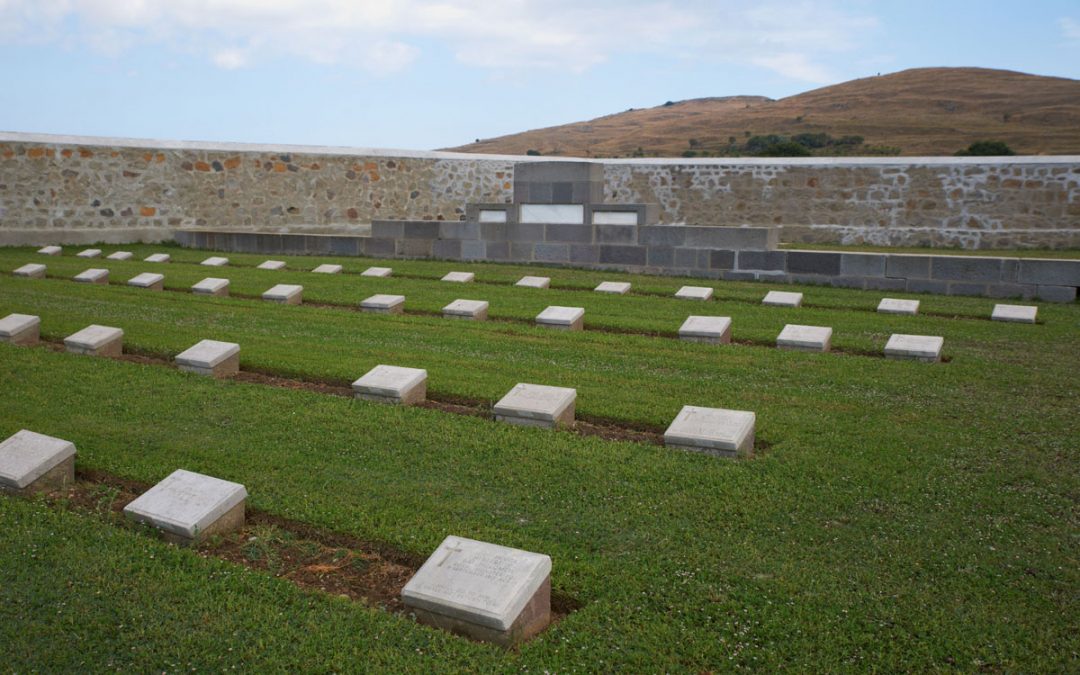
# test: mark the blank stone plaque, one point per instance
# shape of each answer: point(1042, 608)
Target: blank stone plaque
point(384, 304)
point(155, 282)
point(392, 384)
point(215, 261)
point(694, 293)
point(286, 294)
point(31, 462)
point(914, 348)
point(20, 329)
point(377, 272)
point(121, 255)
point(534, 282)
point(327, 269)
point(158, 258)
point(95, 340)
point(50, 250)
point(613, 287)
point(212, 286)
point(536, 405)
point(1015, 313)
point(271, 265)
point(710, 329)
point(805, 338)
point(713, 431)
point(210, 357)
point(475, 310)
point(31, 271)
point(562, 318)
point(484, 591)
point(89, 253)
point(896, 306)
point(94, 275)
point(782, 299)
point(188, 507)
point(459, 277)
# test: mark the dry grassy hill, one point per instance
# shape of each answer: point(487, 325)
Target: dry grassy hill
point(925, 111)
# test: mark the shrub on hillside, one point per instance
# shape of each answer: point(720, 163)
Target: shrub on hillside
point(986, 149)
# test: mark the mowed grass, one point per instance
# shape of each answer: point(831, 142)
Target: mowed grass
point(904, 516)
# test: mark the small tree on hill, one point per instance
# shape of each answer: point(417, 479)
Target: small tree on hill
point(986, 149)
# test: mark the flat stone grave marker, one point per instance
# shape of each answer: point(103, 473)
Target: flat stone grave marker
point(286, 294)
point(188, 507)
point(31, 462)
point(475, 310)
point(327, 269)
point(95, 340)
point(381, 303)
point(210, 357)
point(562, 318)
point(613, 287)
point(88, 253)
point(459, 277)
point(534, 282)
point(914, 348)
point(713, 431)
point(20, 329)
point(709, 329)
point(212, 286)
point(151, 280)
point(537, 405)
point(271, 265)
point(215, 261)
point(392, 384)
point(31, 271)
point(94, 275)
point(50, 250)
point(1015, 313)
point(121, 255)
point(483, 591)
point(158, 258)
point(377, 272)
point(898, 306)
point(805, 338)
point(782, 299)
point(694, 293)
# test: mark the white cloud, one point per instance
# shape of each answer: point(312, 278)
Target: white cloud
point(1070, 28)
point(789, 37)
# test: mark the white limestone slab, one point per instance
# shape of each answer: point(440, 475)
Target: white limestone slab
point(561, 317)
point(914, 347)
point(377, 272)
point(212, 286)
point(537, 405)
point(711, 329)
point(805, 338)
point(384, 304)
point(186, 503)
point(715, 431)
point(327, 269)
point(31, 271)
point(94, 275)
point(215, 261)
point(392, 384)
point(26, 456)
point(898, 306)
point(148, 280)
point(288, 294)
point(477, 582)
point(96, 340)
point(615, 287)
point(459, 277)
point(1015, 313)
point(615, 218)
point(158, 258)
point(694, 293)
point(782, 299)
point(271, 265)
point(50, 250)
point(206, 354)
point(569, 214)
point(120, 255)
point(492, 216)
point(89, 253)
point(20, 329)
point(477, 310)
point(534, 282)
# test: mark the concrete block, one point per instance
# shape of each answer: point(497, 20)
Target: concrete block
point(95, 340)
point(1056, 293)
point(212, 286)
point(285, 294)
point(459, 277)
point(898, 306)
point(474, 310)
point(762, 260)
point(694, 293)
point(660, 256)
point(20, 329)
point(415, 248)
point(50, 250)
point(31, 463)
point(805, 338)
point(1010, 290)
point(524, 232)
point(927, 286)
point(904, 266)
point(392, 384)
point(447, 249)
point(424, 229)
point(483, 591)
point(327, 269)
point(562, 318)
point(613, 287)
point(1015, 313)
point(382, 303)
point(473, 250)
point(739, 276)
point(158, 258)
point(616, 234)
point(714, 431)
point(1045, 272)
point(551, 253)
point(622, 255)
point(390, 229)
point(862, 264)
point(149, 280)
point(210, 357)
point(271, 265)
point(885, 284)
point(965, 268)
point(721, 260)
point(571, 234)
point(584, 253)
point(521, 251)
point(120, 255)
point(813, 262)
point(662, 235)
point(925, 348)
point(537, 405)
point(188, 507)
point(31, 271)
point(730, 238)
point(94, 275)
point(89, 253)
point(967, 288)
point(460, 230)
point(377, 272)
point(534, 282)
point(709, 329)
point(345, 246)
point(378, 247)
point(497, 250)
point(782, 299)
point(215, 261)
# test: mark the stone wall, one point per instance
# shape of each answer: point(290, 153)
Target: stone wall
point(56, 189)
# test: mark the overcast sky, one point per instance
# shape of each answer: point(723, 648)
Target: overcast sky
point(423, 74)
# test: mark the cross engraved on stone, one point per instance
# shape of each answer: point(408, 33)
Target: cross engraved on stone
point(450, 550)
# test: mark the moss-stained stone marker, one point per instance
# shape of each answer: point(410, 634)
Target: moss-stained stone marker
point(31, 462)
point(562, 318)
point(30, 271)
point(473, 310)
point(459, 277)
point(914, 348)
point(212, 286)
point(713, 431)
point(613, 287)
point(120, 255)
point(215, 261)
point(782, 299)
point(1015, 313)
point(89, 253)
point(897, 306)
point(483, 591)
point(50, 250)
point(805, 338)
point(20, 329)
point(188, 507)
point(271, 265)
point(150, 280)
point(210, 357)
point(537, 405)
point(158, 258)
point(285, 294)
point(94, 275)
point(534, 282)
point(392, 384)
point(710, 329)
point(95, 340)
point(377, 272)
point(694, 293)
point(381, 303)
point(327, 269)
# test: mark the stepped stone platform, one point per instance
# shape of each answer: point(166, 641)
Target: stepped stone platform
point(31, 463)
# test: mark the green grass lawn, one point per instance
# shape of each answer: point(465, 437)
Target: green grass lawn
point(901, 516)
